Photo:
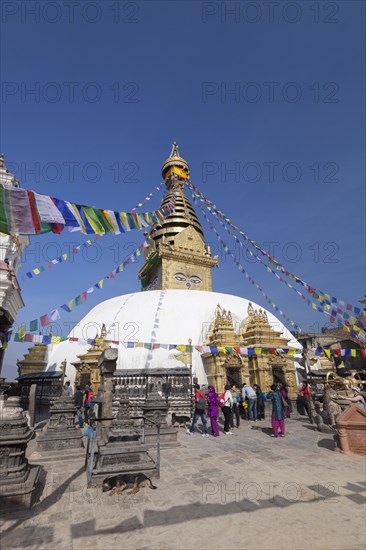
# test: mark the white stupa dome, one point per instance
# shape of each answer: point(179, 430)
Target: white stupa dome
point(156, 316)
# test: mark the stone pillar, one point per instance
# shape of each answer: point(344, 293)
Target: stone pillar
point(32, 403)
point(18, 480)
point(107, 364)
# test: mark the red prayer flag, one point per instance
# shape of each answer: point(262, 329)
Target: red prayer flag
point(44, 320)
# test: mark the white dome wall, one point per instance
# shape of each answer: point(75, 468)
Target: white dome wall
point(164, 317)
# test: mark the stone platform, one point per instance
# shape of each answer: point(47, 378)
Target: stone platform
point(210, 493)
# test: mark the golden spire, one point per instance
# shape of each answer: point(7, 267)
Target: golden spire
point(175, 161)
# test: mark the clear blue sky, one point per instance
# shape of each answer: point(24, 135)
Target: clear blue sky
point(112, 95)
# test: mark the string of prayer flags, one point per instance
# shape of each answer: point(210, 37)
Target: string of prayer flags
point(249, 278)
point(26, 212)
point(321, 296)
point(148, 197)
point(315, 306)
point(324, 306)
point(60, 259)
point(45, 320)
point(90, 242)
point(184, 348)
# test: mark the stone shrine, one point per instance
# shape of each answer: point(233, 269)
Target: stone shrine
point(60, 432)
point(18, 479)
point(351, 426)
point(156, 408)
point(120, 448)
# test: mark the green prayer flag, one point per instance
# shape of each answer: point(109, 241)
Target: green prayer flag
point(33, 325)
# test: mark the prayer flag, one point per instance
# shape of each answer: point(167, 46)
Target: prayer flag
point(33, 325)
point(55, 315)
point(44, 320)
point(21, 330)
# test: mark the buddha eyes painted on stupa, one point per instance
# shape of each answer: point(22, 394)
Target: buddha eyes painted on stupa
point(189, 280)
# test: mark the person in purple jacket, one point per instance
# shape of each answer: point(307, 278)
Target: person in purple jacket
point(213, 410)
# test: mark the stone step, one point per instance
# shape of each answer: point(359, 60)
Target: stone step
point(40, 457)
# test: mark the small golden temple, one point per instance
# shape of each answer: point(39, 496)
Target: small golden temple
point(87, 371)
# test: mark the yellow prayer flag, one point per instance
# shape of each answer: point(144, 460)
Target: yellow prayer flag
point(36, 271)
point(258, 351)
point(55, 339)
point(327, 352)
point(221, 349)
point(181, 348)
point(354, 352)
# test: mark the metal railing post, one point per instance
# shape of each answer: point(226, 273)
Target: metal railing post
point(158, 452)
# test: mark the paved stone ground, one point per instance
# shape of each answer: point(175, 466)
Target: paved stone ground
point(247, 490)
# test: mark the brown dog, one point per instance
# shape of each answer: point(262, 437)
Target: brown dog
point(117, 484)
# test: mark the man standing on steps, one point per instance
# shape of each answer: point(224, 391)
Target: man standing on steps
point(199, 411)
point(249, 394)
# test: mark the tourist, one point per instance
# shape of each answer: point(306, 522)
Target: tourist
point(78, 402)
point(226, 400)
point(305, 396)
point(357, 397)
point(213, 410)
point(278, 415)
point(286, 402)
point(260, 402)
point(235, 407)
point(68, 390)
point(88, 403)
point(249, 394)
point(199, 411)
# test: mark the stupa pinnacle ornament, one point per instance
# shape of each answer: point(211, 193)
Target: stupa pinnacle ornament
point(177, 257)
point(175, 164)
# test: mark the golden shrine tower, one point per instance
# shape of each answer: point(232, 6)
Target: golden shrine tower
point(177, 257)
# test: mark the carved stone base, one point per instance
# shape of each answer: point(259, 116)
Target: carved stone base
point(61, 432)
point(60, 441)
point(114, 461)
point(20, 495)
point(168, 437)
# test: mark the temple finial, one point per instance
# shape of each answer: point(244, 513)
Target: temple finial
point(175, 150)
point(175, 164)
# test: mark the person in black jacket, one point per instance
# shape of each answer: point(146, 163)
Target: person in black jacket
point(78, 402)
point(260, 402)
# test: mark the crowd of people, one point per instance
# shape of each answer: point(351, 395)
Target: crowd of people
point(236, 405)
point(248, 403)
